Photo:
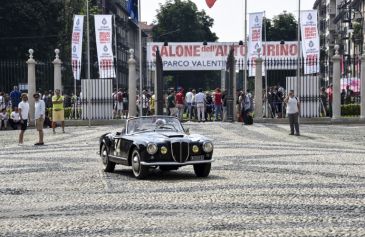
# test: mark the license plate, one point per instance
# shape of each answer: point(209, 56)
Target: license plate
point(195, 158)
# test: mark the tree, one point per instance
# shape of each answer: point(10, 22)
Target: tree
point(180, 21)
point(185, 21)
point(42, 25)
point(282, 27)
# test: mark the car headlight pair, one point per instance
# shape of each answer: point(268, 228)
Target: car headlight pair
point(208, 146)
point(152, 148)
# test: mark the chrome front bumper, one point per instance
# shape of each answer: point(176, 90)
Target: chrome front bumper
point(177, 163)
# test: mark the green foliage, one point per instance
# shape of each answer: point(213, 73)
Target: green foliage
point(350, 110)
point(281, 27)
point(42, 25)
point(185, 21)
point(180, 21)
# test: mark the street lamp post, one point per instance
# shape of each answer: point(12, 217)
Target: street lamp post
point(298, 56)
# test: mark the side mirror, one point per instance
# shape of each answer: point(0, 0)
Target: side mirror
point(187, 131)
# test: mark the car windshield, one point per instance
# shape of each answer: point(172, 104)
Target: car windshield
point(153, 123)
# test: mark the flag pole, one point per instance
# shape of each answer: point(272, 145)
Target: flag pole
point(299, 52)
point(245, 63)
point(140, 58)
point(88, 64)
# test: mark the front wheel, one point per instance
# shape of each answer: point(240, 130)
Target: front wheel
point(109, 165)
point(202, 170)
point(139, 171)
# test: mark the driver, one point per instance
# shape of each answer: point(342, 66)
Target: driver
point(160, 122)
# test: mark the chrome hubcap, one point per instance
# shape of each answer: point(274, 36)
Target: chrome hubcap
point(104, 155)
point(135, 164)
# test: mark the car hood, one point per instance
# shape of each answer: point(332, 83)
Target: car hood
point(163, 136)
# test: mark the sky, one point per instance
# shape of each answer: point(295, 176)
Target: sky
point(229, 16)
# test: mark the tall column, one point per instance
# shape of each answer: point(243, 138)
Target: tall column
point(258, 86)
point(132, 85)
point(362, 87)
point(57, 71)
point(336, 100)
point(31, 84)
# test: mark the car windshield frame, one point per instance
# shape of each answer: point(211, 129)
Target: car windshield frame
point(148, 124)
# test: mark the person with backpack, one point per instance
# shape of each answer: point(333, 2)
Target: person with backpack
point(246, 108)
point(293, 110)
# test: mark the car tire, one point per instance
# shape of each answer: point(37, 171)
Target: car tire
point(202, 170)
point(109, 165)
point(139, 171)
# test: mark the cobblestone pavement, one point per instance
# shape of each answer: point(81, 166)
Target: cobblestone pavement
point(263, 183)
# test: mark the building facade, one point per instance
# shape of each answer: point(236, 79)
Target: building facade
point(341, 22)
point(127, 37)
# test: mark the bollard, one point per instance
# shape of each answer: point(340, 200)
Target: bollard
point(132, 85)
point(258, 86)
point(57, 71)
point(336, 100)
point(31, 85)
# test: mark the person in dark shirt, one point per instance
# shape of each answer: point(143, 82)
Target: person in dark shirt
point(15, 97)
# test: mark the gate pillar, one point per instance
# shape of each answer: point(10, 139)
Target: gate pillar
point(31, 84)
point(57, 71)
point(132, 85)
point(258, 86)
point(336, 100)
point(362, 88)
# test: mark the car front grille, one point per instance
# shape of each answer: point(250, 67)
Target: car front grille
point(180, 151)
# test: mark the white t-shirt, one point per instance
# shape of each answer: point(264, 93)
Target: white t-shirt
point(189, 97)
point(24, 106)
point(15, 116)
point(200, 98)
point(292, 105)
point(40, 109)
point(2, 102)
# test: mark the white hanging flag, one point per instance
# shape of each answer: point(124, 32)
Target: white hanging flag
point(103, 31)
point(76, 45)
point(310, 41)
point(255, 39)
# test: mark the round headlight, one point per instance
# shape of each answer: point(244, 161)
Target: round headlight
point(152, 148)
point(208, 147)
point(195, 149)
point(163, 150)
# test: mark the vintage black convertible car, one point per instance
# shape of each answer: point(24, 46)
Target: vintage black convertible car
point(156, 142)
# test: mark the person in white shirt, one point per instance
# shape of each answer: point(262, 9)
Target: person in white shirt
point(3, 119)
point(189, 99)
point(293, 109)
point(39, 115)
point(200, 105)
point(24, 115)
point(14, 119)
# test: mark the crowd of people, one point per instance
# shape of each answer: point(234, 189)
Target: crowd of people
point(192, 105)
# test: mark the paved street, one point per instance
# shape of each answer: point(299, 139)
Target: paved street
point(263, 183)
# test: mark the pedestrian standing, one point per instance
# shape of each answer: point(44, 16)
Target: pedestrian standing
point(200, 105)
point(3, 119)
point(218, 104)
point(23, 108)
point(39, 115)
point(58, 113)
point(293, 109)
point(189, 100)
point(15, 97)
point(179, 102)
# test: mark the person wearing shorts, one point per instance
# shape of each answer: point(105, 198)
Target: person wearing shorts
point(23, 108)
point(39, 115)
